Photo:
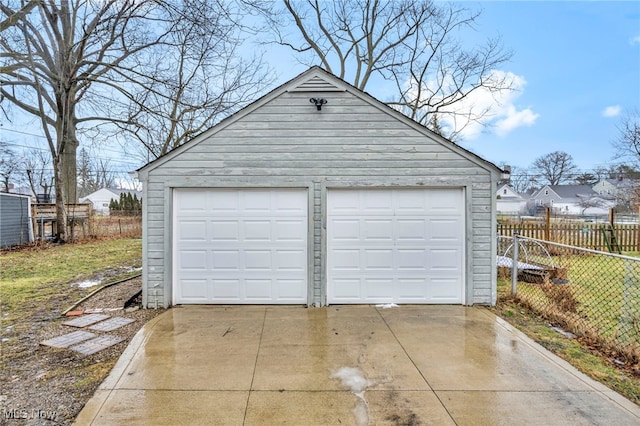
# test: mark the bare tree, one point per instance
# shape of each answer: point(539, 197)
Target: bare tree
point(9, 167)
point(586, 178)
point(412, 43)
point(201, 79)
point(554, 168)
point(627, 145)
point(591, 201)
point(75, 64)
point(39, 174)
point(93, 174)
point(13, 16)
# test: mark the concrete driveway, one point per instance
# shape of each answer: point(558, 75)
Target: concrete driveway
point(345, 365)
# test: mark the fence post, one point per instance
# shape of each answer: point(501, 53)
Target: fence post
point(514, 264)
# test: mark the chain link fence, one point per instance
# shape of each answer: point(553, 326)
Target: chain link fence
point(592, 294)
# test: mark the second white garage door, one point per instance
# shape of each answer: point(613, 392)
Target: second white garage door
point(395, 245)
point(240, 246)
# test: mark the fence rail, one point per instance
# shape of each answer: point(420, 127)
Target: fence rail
point(586, 235)
point(590, 293)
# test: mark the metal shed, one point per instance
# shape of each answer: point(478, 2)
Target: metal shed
point(15, 221)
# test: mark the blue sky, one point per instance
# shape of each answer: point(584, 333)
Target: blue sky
point(572, 60)
point(581, 64)
point(577, 65)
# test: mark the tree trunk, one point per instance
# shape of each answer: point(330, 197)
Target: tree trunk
point(61, 211)
point(68, 169)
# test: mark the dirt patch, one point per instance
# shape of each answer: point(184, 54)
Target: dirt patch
point(40, 385)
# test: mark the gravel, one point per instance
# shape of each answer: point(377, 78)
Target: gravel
point(41, 385)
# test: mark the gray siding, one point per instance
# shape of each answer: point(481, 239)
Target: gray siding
point(14, 220)
point(284, 141)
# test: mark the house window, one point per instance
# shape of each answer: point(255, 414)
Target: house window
point(105, 205)
point(546, 192)
point(504, 192)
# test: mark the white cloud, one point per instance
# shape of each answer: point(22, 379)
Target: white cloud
point(515, 119)
point(611, 111)
point(481, 108)
point(635, 40)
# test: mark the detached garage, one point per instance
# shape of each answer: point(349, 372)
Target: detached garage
point(294, 201)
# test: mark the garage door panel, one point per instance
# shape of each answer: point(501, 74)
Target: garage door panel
point(193, 260)
point(240, 245)
point(404, 238)
point(346, 289)
point(377, 229)
point(444, 230)
point(225, 260)
point(256, 230)
point(225, 290)
point(290, 290)
point(444, 260)
point(289, 260)
point(258, 289)
point(193, 230)
point(411, 290)
point(346, 260)
point(407, 230)
point(444, 290)
point(377, 202)
point(194, 290)
point(345, 229)
point(222, 203)
point(289, 230)
point(258, 260)
point(378, 260)
point(411, 259)
point(223, 230)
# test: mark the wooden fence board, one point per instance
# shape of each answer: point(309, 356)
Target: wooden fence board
point(587, 235)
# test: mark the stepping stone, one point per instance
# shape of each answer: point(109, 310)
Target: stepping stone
point(86, 320)
point(111, 324)
point(96, 345)
point(69, 339)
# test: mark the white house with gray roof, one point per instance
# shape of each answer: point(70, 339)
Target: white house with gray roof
point(578, 200)
point(101, 198)
point(509, 201)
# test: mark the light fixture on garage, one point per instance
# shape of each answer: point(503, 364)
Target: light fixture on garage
point(319, 102)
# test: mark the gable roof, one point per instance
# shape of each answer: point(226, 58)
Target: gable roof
point(316, 79)
point(511, 193)
point(115, 191)
point(568, 192)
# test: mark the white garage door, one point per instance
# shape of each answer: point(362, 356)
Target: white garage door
point(395, 245)
point(240, 246)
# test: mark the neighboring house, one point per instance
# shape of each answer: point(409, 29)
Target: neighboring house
point(15, 220)
point(101, 198)
point(571, 200)
point(623, 191)
point(508, 201)
point(296, 201)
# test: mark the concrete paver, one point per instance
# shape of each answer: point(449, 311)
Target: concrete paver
point(86, 320)
point(68, 339)
point(111, 324)
point(96, 344)
point(261, 365)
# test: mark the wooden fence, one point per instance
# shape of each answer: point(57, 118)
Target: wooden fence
point(587, 235)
